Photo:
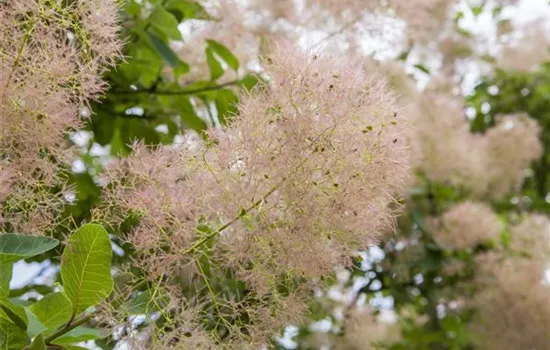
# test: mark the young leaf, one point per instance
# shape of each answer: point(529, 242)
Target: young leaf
point(15, 247)
point(86, 267)
point(224, 53)
point(53, 310)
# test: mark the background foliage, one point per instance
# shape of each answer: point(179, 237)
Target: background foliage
point(150, 100)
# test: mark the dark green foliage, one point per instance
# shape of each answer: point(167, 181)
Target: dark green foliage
point(519, 92)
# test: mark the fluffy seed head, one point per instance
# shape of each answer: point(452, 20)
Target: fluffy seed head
point(305, 174)
point(466, 225)
point(513, 300)
point(491, 164)
point(51, 66)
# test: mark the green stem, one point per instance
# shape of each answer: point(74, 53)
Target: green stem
point(254, 205)
point(19, 54)
point(177, 92)
point(229, 223)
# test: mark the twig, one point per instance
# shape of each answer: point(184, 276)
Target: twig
point(85, 318)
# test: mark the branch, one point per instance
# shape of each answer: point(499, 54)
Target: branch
point(226, 225)
point(176, 92)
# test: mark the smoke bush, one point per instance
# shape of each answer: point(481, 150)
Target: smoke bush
point(306, 173)
point(51, 66)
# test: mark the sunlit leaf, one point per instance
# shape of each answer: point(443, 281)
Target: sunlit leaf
point(86, 267)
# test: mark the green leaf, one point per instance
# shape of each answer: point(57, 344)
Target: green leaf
point(133, 8)
point(11, 336)
point(80, 334)
point(188, 116)
point(39, 288)
point(165, 22)
point(145, 65)
point(38, 343)
point(226, 104)
point(86, 267)
point(34, 327)
point(168, 55)
point(15, 247)
point(422, 68)
point(148, 301)
point(118, 147)
point(224, 53)
point(216, 69)
point(14, 312)
point(183, 9)
point(5, 278)
point(53, 310)
point(250, 81)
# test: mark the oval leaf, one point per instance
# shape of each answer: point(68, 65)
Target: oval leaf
point(86, 267)
point(15, 247)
